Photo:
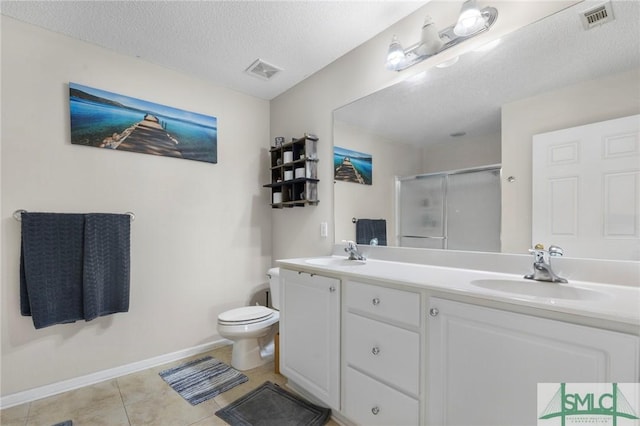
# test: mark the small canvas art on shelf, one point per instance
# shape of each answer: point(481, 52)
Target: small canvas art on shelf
point(352, 166)
point(103, 119)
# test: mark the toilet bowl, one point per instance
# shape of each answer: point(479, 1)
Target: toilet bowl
point(252, 329)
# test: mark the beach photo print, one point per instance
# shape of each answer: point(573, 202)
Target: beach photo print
point(352, 166)
point(108, 120)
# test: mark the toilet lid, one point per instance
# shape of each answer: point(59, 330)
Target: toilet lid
point(246, 313)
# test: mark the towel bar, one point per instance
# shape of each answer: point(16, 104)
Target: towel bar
point(17, 215)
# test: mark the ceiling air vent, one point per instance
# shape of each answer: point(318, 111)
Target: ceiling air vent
point(598, 15)
point(262, 69)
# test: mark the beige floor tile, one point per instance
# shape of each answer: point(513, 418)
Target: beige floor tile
point(14, 415)
point(211, 421)
point(223, 354)
point(142, 398)
point(115, 416)
point(16, 422)
point(255, 380)
point(99, 398)
point(169, 409)
point(141, 385)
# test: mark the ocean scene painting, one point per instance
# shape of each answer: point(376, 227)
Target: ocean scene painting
point(352, 166)
point(107, 120)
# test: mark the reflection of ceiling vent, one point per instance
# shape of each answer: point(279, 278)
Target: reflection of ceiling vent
point(598, 15)
point(262, 69)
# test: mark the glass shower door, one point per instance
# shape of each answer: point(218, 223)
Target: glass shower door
point(473, 211)
point(421, 212)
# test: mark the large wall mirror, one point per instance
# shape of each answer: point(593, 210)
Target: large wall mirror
point(483, 111)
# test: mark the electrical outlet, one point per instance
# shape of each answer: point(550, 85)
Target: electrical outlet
point(324, 229)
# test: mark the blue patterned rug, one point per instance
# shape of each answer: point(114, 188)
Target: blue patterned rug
point(202, 379)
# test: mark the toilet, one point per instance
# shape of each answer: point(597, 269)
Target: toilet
point(252, 329)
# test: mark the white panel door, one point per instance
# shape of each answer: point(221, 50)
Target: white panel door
point(586, 189)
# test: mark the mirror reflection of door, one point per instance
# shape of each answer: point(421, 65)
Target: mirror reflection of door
point(586, 189)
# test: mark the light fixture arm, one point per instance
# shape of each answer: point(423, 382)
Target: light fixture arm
point(449, 38)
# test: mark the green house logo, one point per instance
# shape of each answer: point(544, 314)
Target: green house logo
point(584, 404)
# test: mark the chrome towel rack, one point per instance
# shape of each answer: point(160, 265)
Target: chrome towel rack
point(17, 215)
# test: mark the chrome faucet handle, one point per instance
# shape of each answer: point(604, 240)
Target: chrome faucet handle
point(350, 245)
point(539, 253)
point(555, 251)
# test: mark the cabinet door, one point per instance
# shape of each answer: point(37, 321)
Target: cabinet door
point(310, 334)
point(484, 364)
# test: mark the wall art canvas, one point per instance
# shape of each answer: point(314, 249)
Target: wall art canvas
point(352, 166)
point(108, 120)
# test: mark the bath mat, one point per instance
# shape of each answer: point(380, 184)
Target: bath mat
point(270, 405)
point(202, 379)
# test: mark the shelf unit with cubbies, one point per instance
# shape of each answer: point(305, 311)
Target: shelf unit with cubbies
point(294, 173)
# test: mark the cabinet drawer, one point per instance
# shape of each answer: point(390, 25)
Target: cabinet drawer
point(388, 303)
point(369, 402)
point(384, 351)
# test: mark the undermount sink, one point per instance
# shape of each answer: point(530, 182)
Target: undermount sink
point(334, 261)
point(539, 289)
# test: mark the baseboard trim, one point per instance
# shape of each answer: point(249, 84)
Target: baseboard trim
point(100, 376)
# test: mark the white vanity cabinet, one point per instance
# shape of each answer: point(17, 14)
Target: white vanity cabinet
point(382, 353)
point(484, 364)
point(310, 333)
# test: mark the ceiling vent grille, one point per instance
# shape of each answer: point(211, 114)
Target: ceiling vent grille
point(262, 69)
point(598, 15)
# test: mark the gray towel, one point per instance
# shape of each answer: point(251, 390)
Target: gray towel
point(106, 264)
point(368, 229)
point(51, 268)
point(73, 266)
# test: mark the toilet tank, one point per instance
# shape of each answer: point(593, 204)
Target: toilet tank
point(274, 285)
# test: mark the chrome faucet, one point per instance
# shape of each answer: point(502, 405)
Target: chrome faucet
point(352, 249)
point(542, 264)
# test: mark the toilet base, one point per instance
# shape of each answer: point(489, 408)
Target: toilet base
point(246, 354)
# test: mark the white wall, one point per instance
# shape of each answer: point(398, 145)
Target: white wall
point(589, 102)
point(371, 201)
point(463, 153)
point(201, 241)
point(308, 106)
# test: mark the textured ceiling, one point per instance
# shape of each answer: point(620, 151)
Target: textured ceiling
point(218, 40)
point(467, 97)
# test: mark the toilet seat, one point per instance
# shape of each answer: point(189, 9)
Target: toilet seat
point(245, 315)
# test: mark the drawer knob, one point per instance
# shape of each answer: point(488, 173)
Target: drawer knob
point(375, 301)
point(375, 350)
point(375, 411)
point(332, 289)
point(434, 312)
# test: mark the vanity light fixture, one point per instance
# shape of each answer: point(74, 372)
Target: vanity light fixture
point(471, 22)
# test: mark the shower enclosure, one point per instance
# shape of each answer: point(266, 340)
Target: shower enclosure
point(456, 210)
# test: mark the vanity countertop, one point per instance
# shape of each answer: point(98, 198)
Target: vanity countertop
point(608, 302)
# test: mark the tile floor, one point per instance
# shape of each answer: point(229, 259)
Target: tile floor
point(141, 398)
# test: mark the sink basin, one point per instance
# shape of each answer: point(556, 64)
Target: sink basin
point(334, 261)
point(539, 289)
